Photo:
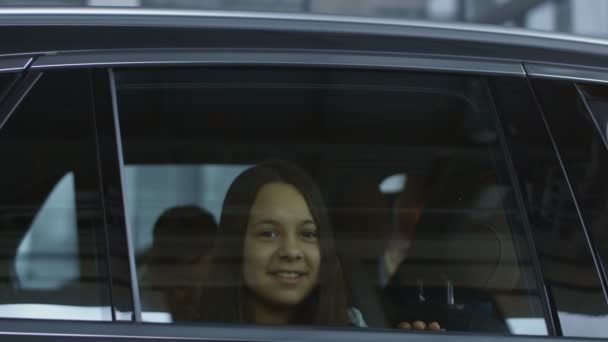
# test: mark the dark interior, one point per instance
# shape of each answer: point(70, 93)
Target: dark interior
point(48, 137)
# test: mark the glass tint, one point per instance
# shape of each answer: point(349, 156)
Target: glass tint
point(595, 188)
point(327, 197)
point(50, 213)
point(6, 79)
point(578, 252)
point(596, 97)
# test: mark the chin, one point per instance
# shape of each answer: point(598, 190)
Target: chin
point(287, 301)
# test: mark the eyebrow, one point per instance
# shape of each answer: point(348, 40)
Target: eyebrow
point(266, 221)
point(274, 222)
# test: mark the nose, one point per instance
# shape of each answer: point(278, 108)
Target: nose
point(290, 249)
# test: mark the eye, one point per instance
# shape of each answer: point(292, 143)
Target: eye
point(267, 234)
point(310, 234)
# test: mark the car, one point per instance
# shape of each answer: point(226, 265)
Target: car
point(454, 174)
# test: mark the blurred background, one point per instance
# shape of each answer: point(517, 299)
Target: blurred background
point(580, 17)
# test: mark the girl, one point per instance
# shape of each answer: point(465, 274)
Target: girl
point(275, 261)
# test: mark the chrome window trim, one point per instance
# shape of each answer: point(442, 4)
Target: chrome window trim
point(14, 64)
point(279, 57)
point(567, 72)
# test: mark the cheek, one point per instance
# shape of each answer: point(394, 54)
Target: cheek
point(256, 259)
point(313, 256)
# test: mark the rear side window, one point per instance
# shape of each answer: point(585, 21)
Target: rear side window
point(6, 79)
point(576, 116)
point(51, 230)
point(595, 99)
point(323, 197)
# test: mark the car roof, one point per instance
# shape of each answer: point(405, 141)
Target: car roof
point(53, 30)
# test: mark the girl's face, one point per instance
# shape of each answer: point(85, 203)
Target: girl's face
point(281, 254)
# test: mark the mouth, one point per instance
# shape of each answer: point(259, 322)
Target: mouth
point(288, 277)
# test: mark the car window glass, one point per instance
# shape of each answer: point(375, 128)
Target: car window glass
point(50, 213)
point(581, 300)
point(596, 97)
point(6, 79)
point(326, 197)
point(596, 100)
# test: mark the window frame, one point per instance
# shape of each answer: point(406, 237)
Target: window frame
point(354, 61)
point(278, 57)
point(566, 72)
point(44, 330)
point(15, 64)
point(119, 254)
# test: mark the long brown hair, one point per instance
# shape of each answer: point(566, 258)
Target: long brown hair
point(224, 296)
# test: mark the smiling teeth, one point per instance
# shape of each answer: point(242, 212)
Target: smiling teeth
point(290, 275)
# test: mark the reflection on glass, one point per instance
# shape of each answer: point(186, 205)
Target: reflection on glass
point(49, 261)
point(577, 324)
point(151, 189)
point(409, 167)
point(527, 326)
point(173, 212)
point(51, 311)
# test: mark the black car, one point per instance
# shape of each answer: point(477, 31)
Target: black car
point(172, 175)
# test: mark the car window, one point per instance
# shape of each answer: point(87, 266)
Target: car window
point(596, 104)
point(53, 263)
point(323, 197)
point(581, 299)
point(6, 79)
point(596, 98)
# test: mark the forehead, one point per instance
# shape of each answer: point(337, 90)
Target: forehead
point(280, 200)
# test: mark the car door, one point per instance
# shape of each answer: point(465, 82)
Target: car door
point(440, 177)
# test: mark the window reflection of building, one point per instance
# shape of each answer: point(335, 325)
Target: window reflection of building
point(151, 189)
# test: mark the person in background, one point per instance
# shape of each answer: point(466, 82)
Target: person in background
point(176, 265)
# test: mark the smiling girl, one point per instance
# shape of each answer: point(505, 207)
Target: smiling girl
point(275, 261)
